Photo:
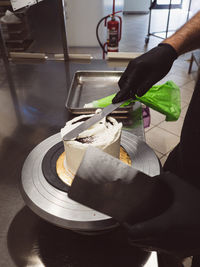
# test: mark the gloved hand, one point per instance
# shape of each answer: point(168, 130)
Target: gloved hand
point(177, 230)
point(144, 71)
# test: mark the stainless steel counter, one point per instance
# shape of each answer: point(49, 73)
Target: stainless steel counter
point(35, 112)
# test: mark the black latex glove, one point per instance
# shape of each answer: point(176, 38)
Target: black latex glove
point(177, 230)
point(144, 71)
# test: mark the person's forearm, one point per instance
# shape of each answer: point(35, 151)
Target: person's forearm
point(187, 38)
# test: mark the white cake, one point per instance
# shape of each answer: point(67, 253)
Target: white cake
point(104, 135)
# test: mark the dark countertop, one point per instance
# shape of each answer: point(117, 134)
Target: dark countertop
point(37, 112)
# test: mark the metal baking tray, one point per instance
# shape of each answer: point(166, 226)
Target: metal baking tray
point(87, 86)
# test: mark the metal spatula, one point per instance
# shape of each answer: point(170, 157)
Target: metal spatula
point(89, 122)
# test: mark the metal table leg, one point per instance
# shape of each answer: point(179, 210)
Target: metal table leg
point(61, 6)
point(188, 13)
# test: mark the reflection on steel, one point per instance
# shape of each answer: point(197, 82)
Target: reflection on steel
point(4, 54)
point(42, 244)
point(54, 205)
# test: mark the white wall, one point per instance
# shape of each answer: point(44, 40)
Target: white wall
point(136, 5)
point(82, 18)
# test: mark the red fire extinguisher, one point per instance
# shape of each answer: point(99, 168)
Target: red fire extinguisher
point(114, 31)
point(114, 34)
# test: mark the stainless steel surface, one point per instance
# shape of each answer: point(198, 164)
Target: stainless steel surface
point(27, 240)
point(55, 206)
point(41, 244)
point(91, 121)
point(4, 55)
point(87, 86)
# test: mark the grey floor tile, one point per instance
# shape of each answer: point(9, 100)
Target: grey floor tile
point(163, 159)
point(190, 85)
point(161, 140)
point(178, 79)
point(186, 95)
point(182, 70)
point(156, 117)
point(183, 62)
point(158, 154)
point(172, 127)
point(149, 128)
point(183, 104)
point(184, 111)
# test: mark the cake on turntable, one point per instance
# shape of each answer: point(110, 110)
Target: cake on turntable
point(48, 172)
point(105, 135)
point(52, 204)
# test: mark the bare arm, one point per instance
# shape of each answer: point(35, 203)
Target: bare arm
point(187, 38)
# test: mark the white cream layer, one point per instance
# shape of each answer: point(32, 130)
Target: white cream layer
point(106, 136)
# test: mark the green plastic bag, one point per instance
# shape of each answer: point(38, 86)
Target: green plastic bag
point(104, 102)
point(163, 98)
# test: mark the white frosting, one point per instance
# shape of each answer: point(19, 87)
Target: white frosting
point(105, 135)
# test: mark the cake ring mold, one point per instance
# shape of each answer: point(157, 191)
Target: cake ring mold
point(53, 205)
